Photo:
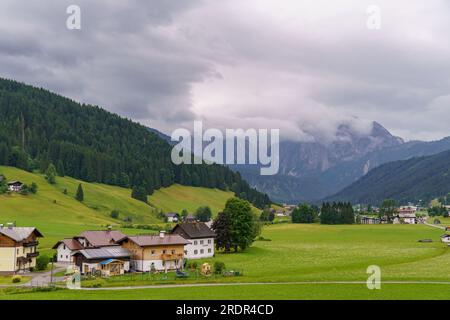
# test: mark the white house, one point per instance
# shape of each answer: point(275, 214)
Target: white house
point(88, 239)
point(201, 239)
point(172, 217)
point(445, 238)
point(15, 186)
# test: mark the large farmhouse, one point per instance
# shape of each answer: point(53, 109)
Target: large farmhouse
point(201, 239)
point(66, 248)
point(18, 248)
point(155, 252)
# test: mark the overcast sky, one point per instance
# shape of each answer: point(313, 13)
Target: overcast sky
point(301, 66)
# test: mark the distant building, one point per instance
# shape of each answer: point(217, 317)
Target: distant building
point(445, 238)
point(18, 248)
point(155, 252)
point(15, 186)
point(172, 217)
point(201, 239)
point(370, 220)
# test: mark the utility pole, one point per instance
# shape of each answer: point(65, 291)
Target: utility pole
point(51, 272)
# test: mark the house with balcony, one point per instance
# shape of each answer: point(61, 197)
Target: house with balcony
point(66, 248)
point(200, 239)
point(18, 248)
point(163, 252)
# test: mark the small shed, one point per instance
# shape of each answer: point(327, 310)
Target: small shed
point(112, 267)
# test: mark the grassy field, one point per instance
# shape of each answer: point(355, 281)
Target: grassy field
point(251, 292)
point(59, 215)
point(305, 253)
point(335, 253)
point(8, 279)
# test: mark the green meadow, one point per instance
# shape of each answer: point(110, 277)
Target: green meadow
point(58, 215)
point(310, 253)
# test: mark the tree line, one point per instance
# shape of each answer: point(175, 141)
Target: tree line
point(39, 129)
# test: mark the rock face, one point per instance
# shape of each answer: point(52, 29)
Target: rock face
point(310, 171)
point(302, 159)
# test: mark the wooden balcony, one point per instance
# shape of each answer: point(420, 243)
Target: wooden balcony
point(31, 244)
point(171, 256)
point(32, 254)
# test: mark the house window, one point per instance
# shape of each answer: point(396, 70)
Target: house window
point(209, 241)
point(201, 241)
point(173, 251)
point(195, 251)
point(209, 250)
point(195, 242)
point(164, 251)
point(153, 252)
point(61, 256)
point(202, 251)
point(185, 251)
point(67, 257)
point(64, 247)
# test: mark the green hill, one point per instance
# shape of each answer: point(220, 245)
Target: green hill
point(423, 178)
point(38, 127)
point(59, 215)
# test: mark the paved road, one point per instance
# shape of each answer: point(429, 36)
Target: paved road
point(38, 278)
point(434, 225)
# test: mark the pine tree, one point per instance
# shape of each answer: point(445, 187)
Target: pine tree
point(50, 174)
point(80, 194)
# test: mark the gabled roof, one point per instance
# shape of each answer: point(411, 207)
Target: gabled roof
point(194, 230)
point(156, 240)
point(20, 233)
point(172, 214)
point(14, 182)
point(102, 238)
point(72, 244)
point(104, 253)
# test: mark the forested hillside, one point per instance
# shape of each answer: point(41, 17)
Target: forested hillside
point(38, 127)
point(423, 178)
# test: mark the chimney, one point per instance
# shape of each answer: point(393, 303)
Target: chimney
point(162, 234)
point(10, 225)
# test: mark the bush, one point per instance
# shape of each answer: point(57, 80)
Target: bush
point(192, 265)
point(114, 214)
point(219, 267)
point(16, 279)
point(42, 262)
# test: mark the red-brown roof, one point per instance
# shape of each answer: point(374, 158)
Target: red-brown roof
point(72, 244)
point(156, 240)
point(102, 238)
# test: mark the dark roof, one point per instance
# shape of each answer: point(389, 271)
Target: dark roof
point(194, 230)
point(156, 240)
point(104, 253)
point(102, 238)
point(72, 244)
point(15, 183)
point(172, 214)
point(20, 233)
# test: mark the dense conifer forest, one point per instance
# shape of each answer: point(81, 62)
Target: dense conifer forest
point(39, 128)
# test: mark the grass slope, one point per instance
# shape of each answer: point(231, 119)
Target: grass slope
point(177, 197)
point(59, 215)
